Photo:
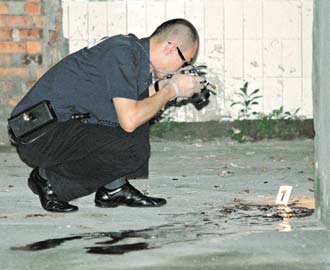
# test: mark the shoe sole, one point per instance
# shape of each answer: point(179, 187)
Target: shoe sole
point(103, 205)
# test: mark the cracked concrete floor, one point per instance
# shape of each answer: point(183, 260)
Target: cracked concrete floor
point(220, 214)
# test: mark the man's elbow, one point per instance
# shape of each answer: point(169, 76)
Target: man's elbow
point(127, 126)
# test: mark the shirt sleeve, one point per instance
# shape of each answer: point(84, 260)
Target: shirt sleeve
point(121, 72)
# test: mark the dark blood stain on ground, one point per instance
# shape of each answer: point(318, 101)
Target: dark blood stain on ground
point(268, 212)
point(118, 249)
point(183, 227)
point(35, 215)
point(50, 243)
point(106, 247)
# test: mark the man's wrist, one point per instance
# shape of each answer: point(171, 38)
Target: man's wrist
point(170, 91)
point(175, 88)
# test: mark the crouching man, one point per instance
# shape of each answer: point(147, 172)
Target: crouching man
point(100, 100)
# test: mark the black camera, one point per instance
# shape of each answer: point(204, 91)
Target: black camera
point(201, 99)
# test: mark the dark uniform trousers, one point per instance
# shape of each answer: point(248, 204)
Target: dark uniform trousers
point(78, 158)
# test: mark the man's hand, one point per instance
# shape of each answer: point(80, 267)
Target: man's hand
point(133, 113)
point(186, 85)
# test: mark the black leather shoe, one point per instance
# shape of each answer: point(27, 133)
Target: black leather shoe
point(48, 198)
point(126, 195)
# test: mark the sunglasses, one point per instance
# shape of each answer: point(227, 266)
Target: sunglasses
point(185, 62)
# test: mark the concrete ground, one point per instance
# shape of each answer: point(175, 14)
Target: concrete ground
point(220, 214)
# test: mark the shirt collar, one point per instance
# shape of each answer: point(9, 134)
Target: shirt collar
point(144, 45)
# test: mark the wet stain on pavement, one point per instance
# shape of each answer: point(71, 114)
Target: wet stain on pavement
point(183, 227)
point(104, 247)
point(35, 215)
point(118, 249)
point(46, 244)
point(265, 212)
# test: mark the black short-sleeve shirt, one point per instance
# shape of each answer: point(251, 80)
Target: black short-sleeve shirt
point(88, 80)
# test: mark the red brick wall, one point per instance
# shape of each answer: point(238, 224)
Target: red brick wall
point(20, 41)
point(27, 39)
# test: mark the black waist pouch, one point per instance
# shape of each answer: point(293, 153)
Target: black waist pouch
point(32, 119)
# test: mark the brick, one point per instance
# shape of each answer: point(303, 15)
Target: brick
point(7, 86)
point(13, 101)
point(15, 21)
point(51, 37)
point(39, 72)
point(17, 59)
point(59, 14)
point(6, 59)
point(4, 8)
point(16, 8)
point(34, 47)
point(12, 47)
point(6, 34)
point(38, 22)
point(11, 72)
point(32, 9)
point(58, 28)
point(29, 84)
point(33, 33)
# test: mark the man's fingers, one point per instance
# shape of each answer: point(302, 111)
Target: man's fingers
point(202, 80)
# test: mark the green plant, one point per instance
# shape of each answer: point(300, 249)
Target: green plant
point(278, 114)
point(252, 125)
point(277, 124)
point(246, 102)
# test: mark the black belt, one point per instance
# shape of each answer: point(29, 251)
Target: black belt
point(108, 123)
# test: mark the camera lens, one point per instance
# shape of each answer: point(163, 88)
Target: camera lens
point(200, 98)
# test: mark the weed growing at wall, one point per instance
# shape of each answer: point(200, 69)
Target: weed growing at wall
point(253, 126)
point(247, 102)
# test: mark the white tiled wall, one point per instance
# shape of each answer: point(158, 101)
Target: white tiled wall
point(267, 43)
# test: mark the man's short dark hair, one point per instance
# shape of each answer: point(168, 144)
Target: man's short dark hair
point(167, 26)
